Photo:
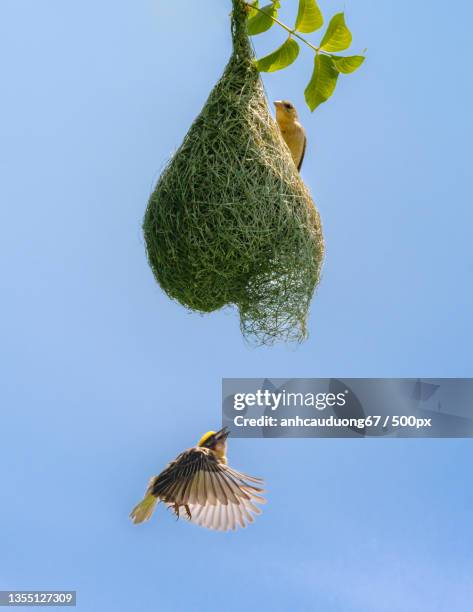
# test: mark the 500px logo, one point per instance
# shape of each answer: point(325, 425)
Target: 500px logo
point(269, 399)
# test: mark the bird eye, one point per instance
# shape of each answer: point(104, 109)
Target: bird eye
point(287, 105)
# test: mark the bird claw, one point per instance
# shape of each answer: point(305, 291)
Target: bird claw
point(176, 509)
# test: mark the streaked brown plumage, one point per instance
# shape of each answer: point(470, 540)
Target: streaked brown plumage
point(291, 130)
point(200, 486)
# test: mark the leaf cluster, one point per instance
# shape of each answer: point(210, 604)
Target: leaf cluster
point(327, 66)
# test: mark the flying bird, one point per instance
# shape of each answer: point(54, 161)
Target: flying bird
point(291, 130)
point(200, 486)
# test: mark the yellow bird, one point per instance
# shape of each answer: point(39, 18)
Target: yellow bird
point(200, 485)
point(291, 130)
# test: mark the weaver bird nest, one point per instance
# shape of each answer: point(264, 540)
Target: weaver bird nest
point(230, 221)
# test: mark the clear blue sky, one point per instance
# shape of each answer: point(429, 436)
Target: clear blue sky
point(104, 379)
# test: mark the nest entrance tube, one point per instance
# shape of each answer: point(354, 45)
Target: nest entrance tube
point(230, 221)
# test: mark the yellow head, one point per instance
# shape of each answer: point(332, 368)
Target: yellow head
point(285, 111)
point(215, 441)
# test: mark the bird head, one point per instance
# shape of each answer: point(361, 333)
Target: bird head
point(285, 111)
point(215, 440)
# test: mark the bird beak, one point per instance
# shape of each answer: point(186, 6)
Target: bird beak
point(222, 435)
point(277, 103)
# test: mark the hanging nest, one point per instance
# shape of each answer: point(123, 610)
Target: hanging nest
point(230, 221)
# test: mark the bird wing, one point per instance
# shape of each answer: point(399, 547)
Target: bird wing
point(299, 166)
point(225, 516)
point(217, 496)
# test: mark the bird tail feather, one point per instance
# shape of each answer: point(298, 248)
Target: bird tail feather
point(144, 510)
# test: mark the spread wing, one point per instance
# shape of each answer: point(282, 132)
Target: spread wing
point(217, 496)
point(238, 510)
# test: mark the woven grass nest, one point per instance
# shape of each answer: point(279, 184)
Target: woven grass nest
point(230, 221)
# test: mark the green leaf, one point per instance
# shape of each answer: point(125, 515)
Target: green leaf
point(309, 17)
point(260, 21)
point(323, 81)
point(284, 56)
point(347, 64)
point(252, 9)
point(338, 36)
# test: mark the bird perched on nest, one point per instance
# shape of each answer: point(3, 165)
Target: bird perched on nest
point(200, 485)
point(291, 130)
